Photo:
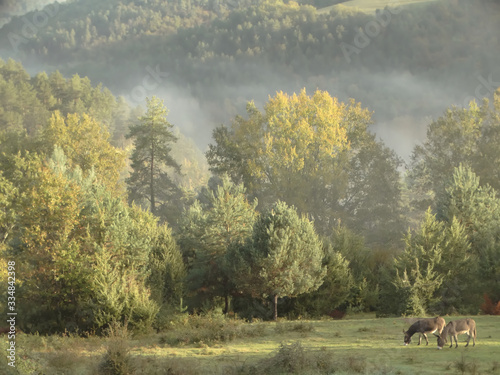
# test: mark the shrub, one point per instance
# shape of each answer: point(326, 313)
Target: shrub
point(117, 360)
point(294, 327)
point(336, 314)
point(209, 329)
point(489, 307)
point(463, 366)
point(355, 365)
point(292, 359)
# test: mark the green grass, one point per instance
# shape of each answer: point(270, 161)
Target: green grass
point(370, 6)
point(354, 345)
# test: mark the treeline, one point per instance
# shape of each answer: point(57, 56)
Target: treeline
point(306, 211)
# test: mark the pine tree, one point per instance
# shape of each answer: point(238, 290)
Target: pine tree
point(417, 277)
point(223, 216)
point(167, 270)
point(283, 259)
point(152, 157)
point(335, 291)
point(477, 209)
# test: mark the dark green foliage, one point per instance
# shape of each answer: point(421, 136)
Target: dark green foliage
point(166, 267)
point(283, 258)
point(209, 45)
point(222, 217)
point(477, 209)
point(365, 266)
point(150, 180)
point(89, 258)
point(334, 292)
point(372, 200)
point(417, 280)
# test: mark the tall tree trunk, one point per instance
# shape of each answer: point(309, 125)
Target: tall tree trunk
point(275, 317)
point(151, 182)
point(226, 304)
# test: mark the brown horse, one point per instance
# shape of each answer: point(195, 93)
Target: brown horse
point(424, 326)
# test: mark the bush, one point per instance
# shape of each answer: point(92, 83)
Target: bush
point(464, 366)
point(294, 327)
point(489, 307)
point(293, 359)
point(117, 360)
point(290, 358)
point(209, 329)
point(336, 314)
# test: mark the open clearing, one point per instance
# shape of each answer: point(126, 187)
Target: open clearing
point(360, 344)
point(370, 6)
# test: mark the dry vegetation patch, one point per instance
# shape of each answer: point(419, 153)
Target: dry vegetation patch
point(228, 346)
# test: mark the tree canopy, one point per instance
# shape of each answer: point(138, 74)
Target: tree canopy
point(153, 137)
point(284, 257)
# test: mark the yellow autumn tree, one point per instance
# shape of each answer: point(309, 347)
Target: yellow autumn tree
point(292, 151)
point(85, 143)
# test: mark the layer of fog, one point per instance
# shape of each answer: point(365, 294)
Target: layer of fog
point(402, 104)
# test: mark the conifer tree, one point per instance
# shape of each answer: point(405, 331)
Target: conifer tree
point(152, 157)
point(477, 208)
point(223, 216)
point(417, 278)
point(283, 259)
point(167, 270)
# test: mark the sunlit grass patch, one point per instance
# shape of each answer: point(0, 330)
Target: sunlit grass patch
point(349, 346)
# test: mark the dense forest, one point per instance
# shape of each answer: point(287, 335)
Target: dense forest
point(296, 207)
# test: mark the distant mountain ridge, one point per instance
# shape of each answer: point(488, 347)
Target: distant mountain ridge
point(11, 8)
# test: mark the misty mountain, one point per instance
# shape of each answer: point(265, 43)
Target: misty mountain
point(207, 58)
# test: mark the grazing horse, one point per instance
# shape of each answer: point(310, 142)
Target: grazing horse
point(455, 328)
point(424, 326)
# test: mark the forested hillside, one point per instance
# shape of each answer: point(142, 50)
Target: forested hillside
point(111, 213)
point(219, 55)
point(11, 8)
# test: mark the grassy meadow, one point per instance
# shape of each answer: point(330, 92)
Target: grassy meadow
point(370, 6)
point(359, 344)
